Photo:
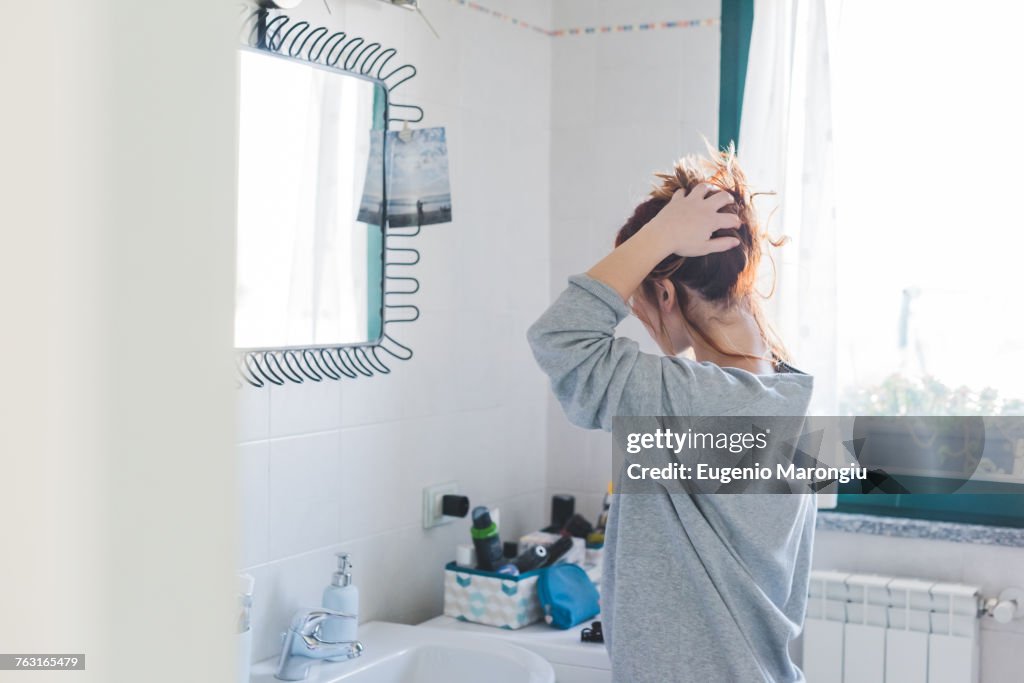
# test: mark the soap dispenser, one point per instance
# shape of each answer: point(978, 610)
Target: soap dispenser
point(341, 596)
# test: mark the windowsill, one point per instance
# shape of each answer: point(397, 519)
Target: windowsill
point(900, 527)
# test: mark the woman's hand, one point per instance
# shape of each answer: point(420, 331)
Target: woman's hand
point(684, 226)
point(688, 221)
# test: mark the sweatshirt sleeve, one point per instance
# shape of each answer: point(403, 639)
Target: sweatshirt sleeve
point(594, 374)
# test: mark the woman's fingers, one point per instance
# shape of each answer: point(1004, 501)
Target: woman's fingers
point(691, 218)
point(721, 244)
point(719, 199)
point(700, 190)
point(727, 220)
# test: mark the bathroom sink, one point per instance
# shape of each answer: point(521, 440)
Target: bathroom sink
point(396, 653)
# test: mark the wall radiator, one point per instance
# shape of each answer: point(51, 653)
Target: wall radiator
point(864, 628)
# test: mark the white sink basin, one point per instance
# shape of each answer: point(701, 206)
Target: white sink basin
point(396, 653)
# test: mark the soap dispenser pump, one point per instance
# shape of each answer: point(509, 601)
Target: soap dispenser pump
point(341, 596)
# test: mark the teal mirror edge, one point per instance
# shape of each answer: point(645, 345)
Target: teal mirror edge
point(375, 239)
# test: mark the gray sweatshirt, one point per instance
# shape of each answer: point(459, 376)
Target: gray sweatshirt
point(701, 588)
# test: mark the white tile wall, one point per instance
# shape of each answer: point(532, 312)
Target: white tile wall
point(623, 105)
point(341, 465)
point(253, 473)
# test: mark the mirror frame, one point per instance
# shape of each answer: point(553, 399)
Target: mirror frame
point(281, 35)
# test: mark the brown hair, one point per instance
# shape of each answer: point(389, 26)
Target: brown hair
point(727, 277)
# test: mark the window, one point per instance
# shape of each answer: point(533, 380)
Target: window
point(930, 241)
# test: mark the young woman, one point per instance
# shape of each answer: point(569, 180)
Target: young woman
point(703, 588)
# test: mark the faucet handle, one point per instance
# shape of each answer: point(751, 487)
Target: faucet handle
point(304, 630)
point(307, 622)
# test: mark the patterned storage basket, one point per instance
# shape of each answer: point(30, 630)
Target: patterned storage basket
point(494, 599)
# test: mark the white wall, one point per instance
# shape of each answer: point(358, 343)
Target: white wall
point(623, 105)
point(116, 475)
point(341, 465)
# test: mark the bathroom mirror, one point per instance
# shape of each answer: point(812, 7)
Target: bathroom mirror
point(311, 205)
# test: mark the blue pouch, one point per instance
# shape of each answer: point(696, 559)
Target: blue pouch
point(567, 595)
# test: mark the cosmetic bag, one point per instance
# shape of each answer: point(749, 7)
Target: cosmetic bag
point(567, 595)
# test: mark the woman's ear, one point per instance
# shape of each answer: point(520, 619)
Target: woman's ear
point(666, 297)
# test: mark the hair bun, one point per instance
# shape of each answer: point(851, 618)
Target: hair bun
point(725, 277)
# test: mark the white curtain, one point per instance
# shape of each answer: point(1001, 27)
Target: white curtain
point(786, 146)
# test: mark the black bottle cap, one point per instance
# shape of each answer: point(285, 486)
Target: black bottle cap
point(481, 517)
point(454, 506)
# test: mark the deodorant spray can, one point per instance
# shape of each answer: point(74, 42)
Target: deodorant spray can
point(489, 555)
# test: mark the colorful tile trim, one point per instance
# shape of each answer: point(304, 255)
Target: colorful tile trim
point(588, 30)
point(627, 28)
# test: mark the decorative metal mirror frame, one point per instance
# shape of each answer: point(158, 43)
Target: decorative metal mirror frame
point(280, 34)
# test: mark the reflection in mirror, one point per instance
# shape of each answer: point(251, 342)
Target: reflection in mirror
point(310, 258)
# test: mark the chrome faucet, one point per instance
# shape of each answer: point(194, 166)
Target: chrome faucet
point(303, 645)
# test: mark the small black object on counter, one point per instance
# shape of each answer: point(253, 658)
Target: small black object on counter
point(593, 634)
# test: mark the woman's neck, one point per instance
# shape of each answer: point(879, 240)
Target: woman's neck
point(735, 331)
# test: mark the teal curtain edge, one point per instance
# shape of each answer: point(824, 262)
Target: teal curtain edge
point(737, 25)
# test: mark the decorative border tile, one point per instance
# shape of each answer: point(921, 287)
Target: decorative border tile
point(588, 30)
point(627, 28)
point(899, 527)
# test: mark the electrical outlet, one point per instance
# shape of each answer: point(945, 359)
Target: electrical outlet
point(432, 496)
